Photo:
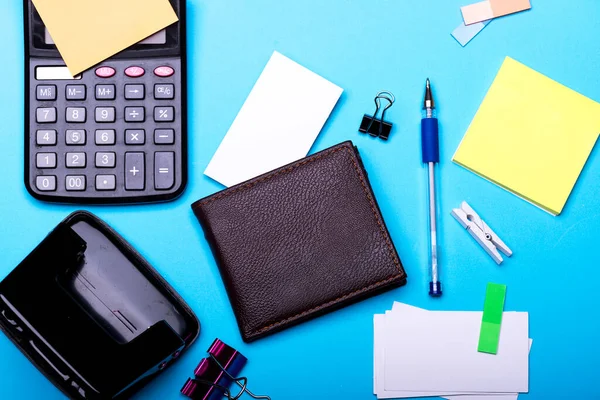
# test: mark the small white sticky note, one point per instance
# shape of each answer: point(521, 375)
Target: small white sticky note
point(277, 124)
point(465, 33)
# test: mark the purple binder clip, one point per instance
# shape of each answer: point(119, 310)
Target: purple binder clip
point(214, 375)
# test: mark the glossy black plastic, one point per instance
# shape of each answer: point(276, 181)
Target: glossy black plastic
point(92, 314)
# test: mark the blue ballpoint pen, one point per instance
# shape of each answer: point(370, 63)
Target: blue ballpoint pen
point(431, 155)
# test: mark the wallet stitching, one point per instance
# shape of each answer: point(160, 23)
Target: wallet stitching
point(372, 205)
point(248, 185)
point(325, 305)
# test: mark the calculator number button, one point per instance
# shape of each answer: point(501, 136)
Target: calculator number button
point(76, 114)
point(106, 182)
point(45, 137)
point(135, 174)
point(105, 160)
point(45, 183)
point(164, 170)
point(46, 92)
point(75, 160)
point(164, 136)
point(164, 114)
point(76, 92)
point(45, 160)
point(46, 115)
point(75, 137)
point(105, 114)
point(75, 182)
point(105, 136)
point(135, 114)
point(135, 136)
point(105, 92)
point(135, 92)
point(164, 91)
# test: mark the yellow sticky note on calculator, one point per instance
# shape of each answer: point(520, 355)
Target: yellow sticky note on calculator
point(531, 136)
point(87, 32)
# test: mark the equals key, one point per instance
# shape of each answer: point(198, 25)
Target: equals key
point(164, 170)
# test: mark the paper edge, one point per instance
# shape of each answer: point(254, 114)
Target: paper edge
point(501, 186)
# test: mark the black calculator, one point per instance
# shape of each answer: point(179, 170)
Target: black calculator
point(113, 134)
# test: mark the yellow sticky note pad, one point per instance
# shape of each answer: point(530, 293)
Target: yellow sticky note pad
point(531, 136)
point(87, 32)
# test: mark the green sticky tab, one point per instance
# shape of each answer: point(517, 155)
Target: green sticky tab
point(489, 335)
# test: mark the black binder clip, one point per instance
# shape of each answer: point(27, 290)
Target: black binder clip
point(214, 375)
point(378, 127)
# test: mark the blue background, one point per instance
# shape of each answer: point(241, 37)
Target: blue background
point(363, 46)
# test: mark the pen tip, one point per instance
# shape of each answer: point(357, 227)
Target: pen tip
point(428, 102)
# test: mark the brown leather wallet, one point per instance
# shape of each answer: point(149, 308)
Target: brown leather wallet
point(300, 241)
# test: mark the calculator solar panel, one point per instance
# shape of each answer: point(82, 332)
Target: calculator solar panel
point(113, 134)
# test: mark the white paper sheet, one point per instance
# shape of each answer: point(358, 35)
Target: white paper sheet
point(277, 124)
point(380, 326)
point(379, 357)
point(483, 396)
point(378, 362)
point(437, 352)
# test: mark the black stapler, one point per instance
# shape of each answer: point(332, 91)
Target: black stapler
point(91, 314)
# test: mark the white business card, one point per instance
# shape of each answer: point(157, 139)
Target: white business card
point(278, 123)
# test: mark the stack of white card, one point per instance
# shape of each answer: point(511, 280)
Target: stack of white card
point(421, 353)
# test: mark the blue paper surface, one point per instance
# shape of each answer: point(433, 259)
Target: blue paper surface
point(465, 33)
point(364, 46)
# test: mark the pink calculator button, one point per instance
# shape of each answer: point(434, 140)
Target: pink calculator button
point(164, 72)
point(105, 72)
point(134, 72)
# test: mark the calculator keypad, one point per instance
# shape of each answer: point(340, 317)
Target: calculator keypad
point(135, 171)
point(46, 160)
point(164, 164)
point(113, 135)
point(76, 92)
point(164, 92)
point(135, 136)
point(76, 114)
point(106, 92)
point(46, 115)
point(45, 183)
point(46, 92)
point(105, 114)
point(135, 114)
point(75, 182)
point(105, 160)
point(106, 182)
point(164, 114)
point(46, 137)
point(75, 137)
point(135, 92)
point(75, 160)
point(105, 137)
point(164, 136)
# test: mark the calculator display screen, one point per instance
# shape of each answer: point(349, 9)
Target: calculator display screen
point(167, 42)
point(158, 38)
